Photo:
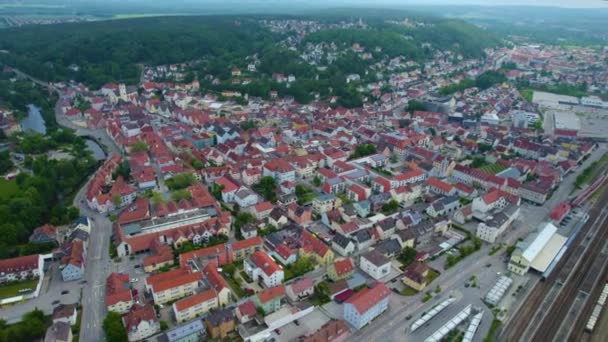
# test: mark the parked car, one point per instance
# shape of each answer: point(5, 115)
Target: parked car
point(134, 280)
point(55, 302)
point(65, 292)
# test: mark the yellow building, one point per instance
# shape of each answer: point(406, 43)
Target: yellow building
point(195, 306)
point(173, 285)
point(415, 276)
point(340, 269)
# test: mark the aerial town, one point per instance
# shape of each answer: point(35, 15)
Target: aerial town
point(421, 215)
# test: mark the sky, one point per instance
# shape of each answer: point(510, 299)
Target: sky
point(560, 3)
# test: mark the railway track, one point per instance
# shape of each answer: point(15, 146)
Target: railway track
point(573, 266)
point(556, 316)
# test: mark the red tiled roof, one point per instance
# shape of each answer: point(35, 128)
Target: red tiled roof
point(168, 280)
point(264, 262)
point(284, 251)
point(228, 185)
point(436, 183)
point(560, 211)
point(118, 288)
point(368, 297)
point(247, 309)
point(194, 300)
point(271, 293)
point(248, 243)
point(262, 207)
point(137, 314)
point(214, 278)
point(343, 266)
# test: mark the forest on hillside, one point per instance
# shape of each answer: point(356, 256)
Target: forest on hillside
point(110, 51)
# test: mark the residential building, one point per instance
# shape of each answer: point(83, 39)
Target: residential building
point(44, 234)
point(193, 331)
point(140, 322)
point(299, 289)
point(218, 283)
point(220, 323)
point(343, 245)
point(269, 299)
point(415, 275)
point(375, 264)
point(314, 248)
point(195, 306)
point(66, 313)
point(280, 170)
point(21, 268)
point(172, 285)
point(73, 264)
point(340, 269)
point(334, 330)
point(496, 224)
point(119, 297)
point(367, 304)
point(325, 203)
point(245, 312)
point(59, 332)
point(260, 266)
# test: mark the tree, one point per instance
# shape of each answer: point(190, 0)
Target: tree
point(266, 187)
point(5, 162)
point(407, 256)
point(163, 325)
point(138, 146)
point(113, 328)
point(216, 190)
point(316, 181)
point(483, 147)
point(180, 181)
point(414, 105)
point(196, 164)
point(123, 170)
point(390, 206)
point(362, 151)
point(116, 200)
point(181, 194)
point(301, 266)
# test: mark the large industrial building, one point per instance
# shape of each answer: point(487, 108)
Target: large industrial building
point(537, 251)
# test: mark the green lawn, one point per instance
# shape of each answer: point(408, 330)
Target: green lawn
point(492, 168)
point(431, 276)
point(8, 188)
point(236, 288)
point(408, 291)
point(12, 290)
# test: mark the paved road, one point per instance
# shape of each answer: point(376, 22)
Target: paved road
point(97, 269)
point(98, 259)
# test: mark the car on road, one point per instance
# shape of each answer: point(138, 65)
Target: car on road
point(134, 280)
point(64, 292)
point(136, 266)
point(83, 281)
point(408, 317)
point(55, 302)
point(488, 265)
point(277, 331)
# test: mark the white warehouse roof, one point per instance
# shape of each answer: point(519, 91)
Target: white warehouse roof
point(536, 246)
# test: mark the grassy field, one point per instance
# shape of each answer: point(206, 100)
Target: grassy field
point(492, 168)
point(12, 290)
point(8, 188)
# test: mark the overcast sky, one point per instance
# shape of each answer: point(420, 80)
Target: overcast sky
point(561, 3)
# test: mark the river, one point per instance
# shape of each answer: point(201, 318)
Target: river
point(94, 147)
point(33, 121)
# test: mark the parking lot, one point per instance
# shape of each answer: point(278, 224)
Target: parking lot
point(54, 292)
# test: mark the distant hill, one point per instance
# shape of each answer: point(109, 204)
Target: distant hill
point(107, 51)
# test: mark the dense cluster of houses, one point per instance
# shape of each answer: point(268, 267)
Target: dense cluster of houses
point(377, 179)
